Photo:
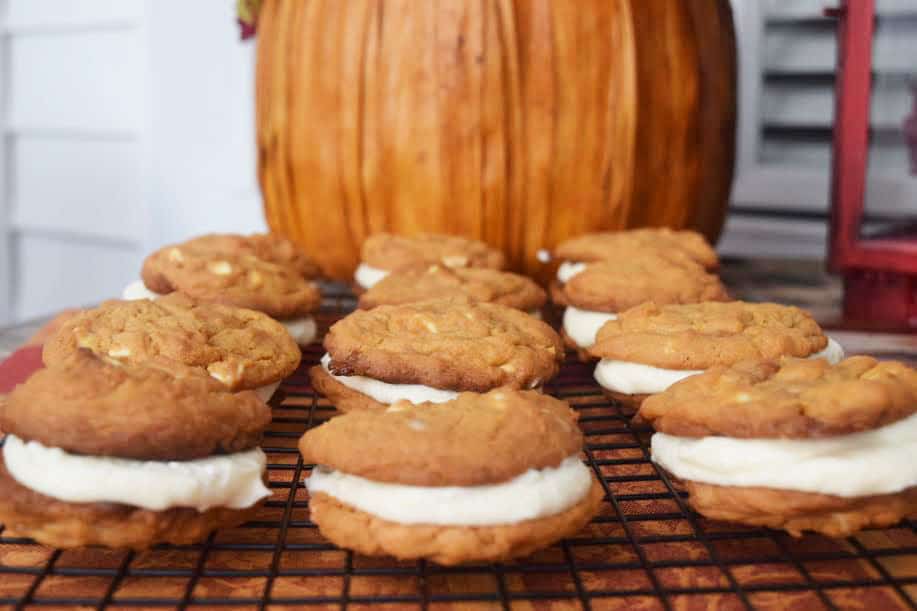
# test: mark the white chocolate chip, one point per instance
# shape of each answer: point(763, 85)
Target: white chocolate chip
point(220, 268)
point(221, 372)
point(119, 351)
point(455, 261)
point(176, 256)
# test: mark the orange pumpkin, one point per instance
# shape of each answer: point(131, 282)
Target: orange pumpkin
point(519, 122)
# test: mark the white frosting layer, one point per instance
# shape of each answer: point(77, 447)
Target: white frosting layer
point(568, 269)
point(880, 461)
point(302, 330)
point(534, 494)
point(367, 275)
point(583, 325)
point(137, 290)
point(266, 392)
point(232, 480)
point(383, 392)
point(636, 378)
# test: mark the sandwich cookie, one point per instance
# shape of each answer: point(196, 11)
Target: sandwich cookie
point(650, 347)
point(262, 272)
point(439, 281)
point(482, 478)
point(431, 351)
point(793, 444)
point(615, 245)
point(383, 253)
point(243, 349)
point(98, 453)
point(598, 291)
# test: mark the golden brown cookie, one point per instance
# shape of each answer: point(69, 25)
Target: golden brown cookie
point(439, 281)
point(242, 280)
point(56, 523)
point(475, 440)
point(470, 441)
point(397, 252)
point(86, 405)
point(791, 398)
point(455, 344)
point(367, 534)
point(618, 245)
point(614, 286)
point(242, 348)
point(270, 247)
point(703, 335)
point(797, 512)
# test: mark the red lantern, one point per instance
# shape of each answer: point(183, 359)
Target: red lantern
point(879, 271)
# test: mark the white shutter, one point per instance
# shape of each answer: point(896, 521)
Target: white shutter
point(788, 54)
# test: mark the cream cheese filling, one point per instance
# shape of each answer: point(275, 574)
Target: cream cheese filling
point(386, 393)
point(582, 326)
point(231, 480)
point(137, 290)
point(302, 330)
point(637, 378)
point(537, 493)
point(568, 269)
point(367, 275)
point(881, 461)
point(266, 392)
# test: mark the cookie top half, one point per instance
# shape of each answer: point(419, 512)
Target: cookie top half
point(242, 348)
point(269, 247)
point(395, 252)
point(789, 398)
point(616, 285)
point(473, 440)
point(613, 245)
point(455, 344)
point(703, 335)
point(87, 404)
point(239, 279)
point(439, 281)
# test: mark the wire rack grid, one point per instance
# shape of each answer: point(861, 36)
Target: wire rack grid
point(646, 549)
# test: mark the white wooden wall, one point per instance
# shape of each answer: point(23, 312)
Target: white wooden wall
point(126, 124)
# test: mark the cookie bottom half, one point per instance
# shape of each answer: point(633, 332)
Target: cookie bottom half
point(57, 523)
point(633, 401)
point(582, 354)
point(796, 512)
point(364, 533)
point(343, 398)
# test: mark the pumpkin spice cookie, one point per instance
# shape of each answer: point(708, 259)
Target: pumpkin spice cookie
point(793, 444)
point(384, 252)
point(650, 347)
point(243, 349)
point(262, 272)
point(600, 290)
point(433, 350)
point(98, 453)
point(482, 478)
point(439, 281)
point(681, 244)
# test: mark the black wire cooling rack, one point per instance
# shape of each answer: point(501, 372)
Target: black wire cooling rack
point(646, 550)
